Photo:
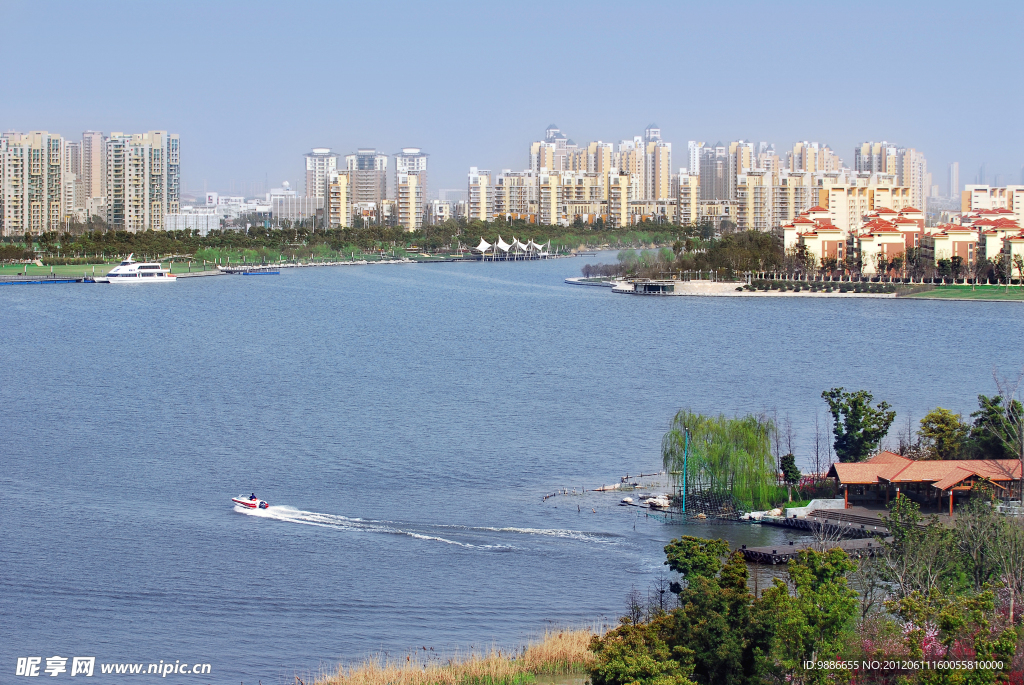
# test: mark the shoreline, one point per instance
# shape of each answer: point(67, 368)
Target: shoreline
point(694, 288)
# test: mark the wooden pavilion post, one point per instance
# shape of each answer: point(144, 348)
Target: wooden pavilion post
point(951, 503)
point(846, 497)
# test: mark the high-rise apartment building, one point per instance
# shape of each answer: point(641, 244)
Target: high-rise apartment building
point(338, 201)
point(693, 149)
point(413, 160)
point(657, 165)
point(142, 180)
point(368, 175)
point(754, 201)
point(320, 164)
point(954, 179)
point(410, 200)
point(74, 189)
point(714, 173)
point(515, 195)
point(33, 196)
point(480, 205)
point(94, 166)
point(687, 193)
point(741, 160)
point(912, 172)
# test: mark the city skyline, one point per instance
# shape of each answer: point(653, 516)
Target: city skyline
point(456, 106)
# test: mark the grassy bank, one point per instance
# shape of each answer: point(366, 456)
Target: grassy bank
point(557, 653)
point(967, 292)
point(100, 269)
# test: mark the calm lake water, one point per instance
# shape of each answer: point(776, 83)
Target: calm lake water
point(405, 421)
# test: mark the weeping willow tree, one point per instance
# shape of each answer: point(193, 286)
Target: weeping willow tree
point(729, 458)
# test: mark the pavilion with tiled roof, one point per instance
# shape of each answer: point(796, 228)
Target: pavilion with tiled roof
point(888, 475)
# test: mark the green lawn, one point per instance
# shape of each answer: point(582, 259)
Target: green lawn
point(82, 269)
point(966, 292)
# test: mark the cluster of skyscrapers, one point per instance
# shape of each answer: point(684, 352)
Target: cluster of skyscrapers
point(130, 180)
point(753, 186)
point(365, 190)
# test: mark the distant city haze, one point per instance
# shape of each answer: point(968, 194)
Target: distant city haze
point(251, 87)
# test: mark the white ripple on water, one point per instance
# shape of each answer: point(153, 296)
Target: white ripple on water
point(345, 523)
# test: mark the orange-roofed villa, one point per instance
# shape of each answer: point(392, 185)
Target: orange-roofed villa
point(934, 484)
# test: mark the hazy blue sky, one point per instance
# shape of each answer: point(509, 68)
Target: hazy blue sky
point(251, 86)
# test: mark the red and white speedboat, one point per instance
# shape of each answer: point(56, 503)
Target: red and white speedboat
point(250, 502)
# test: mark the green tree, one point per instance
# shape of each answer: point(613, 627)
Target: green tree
point(693, 557)
point(712, 625)
point(944, 434)
point(858, 427)
point(991, 435)
point(637, 654)
point(722, 455)
point(788, 629)
point(790, 473)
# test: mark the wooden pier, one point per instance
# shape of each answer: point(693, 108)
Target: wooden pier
point(779, 554)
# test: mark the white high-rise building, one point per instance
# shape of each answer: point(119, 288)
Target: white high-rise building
point(32, 191)
point(954, 179)
point(412, 160)
point(693, 157)
point(142, 180)
point(320, 164)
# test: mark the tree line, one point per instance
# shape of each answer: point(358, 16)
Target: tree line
point(300, 239)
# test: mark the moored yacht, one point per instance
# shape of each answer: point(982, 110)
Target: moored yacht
point(130, 271)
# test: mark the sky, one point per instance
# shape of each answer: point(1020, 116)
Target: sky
point(250, 86)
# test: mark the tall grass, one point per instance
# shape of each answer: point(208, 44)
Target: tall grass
point(557, 653)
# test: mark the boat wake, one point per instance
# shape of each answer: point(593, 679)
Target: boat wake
point(499, 538)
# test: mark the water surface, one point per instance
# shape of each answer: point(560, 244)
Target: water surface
point(405, 421)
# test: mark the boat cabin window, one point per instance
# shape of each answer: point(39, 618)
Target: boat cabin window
point(150, 266)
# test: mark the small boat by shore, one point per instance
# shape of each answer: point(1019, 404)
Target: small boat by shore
point(250, 502)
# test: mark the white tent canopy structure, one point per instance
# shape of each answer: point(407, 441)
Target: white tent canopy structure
point(502, 251)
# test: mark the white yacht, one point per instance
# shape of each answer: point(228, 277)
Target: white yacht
point(130, 271)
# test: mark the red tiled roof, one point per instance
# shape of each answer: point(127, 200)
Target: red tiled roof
point(816, 208)
point(892, 468)
point(887, 457)
point(909, 209)
point(885, 210)
point(802, 220)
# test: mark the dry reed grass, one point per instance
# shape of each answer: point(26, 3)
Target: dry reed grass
point(557, 653)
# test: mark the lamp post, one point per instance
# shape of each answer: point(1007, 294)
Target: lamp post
point(686, 453)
